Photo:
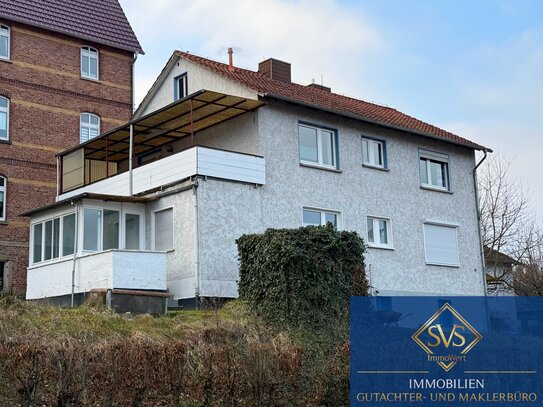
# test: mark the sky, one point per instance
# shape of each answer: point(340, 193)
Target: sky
point(474, 68)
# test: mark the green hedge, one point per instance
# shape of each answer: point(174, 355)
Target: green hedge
point(302, 276)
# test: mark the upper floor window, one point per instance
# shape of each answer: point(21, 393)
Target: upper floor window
point(434, 170)
point(320, 217)
point(379, 232)
point(4, 118)
point(318, 146)
point(89, 126)
point(3, 198)
point(374, 152)
point(4, 41)
point(180, 87)
point(89, 62)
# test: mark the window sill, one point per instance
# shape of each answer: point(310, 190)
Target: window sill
point(435, 189)
point(4, 222)
point(91, 80)
point(375, 167)
point(454, 266)
point(4, 141)
point(321, 167)
point(376, 246)
point(7, 61)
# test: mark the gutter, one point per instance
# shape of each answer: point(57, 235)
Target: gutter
point(479, 224)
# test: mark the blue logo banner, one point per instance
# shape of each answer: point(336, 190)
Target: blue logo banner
point(432, 351)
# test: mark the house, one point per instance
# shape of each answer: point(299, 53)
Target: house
point(65, 76)
point(215, 151)
point(501, 271)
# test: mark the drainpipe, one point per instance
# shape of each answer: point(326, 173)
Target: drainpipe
point(479, 223)
point(196, 245)
point(134, 82)
point(76, 248)
point(130, 163)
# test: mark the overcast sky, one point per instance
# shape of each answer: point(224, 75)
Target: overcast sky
point(471, 67)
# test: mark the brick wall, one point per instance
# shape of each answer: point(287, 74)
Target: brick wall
point(47, 95)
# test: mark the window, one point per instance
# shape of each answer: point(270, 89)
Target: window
point(4, 118)
point(434, 170)
point(441, 244)
point(180, 87)
point(3, 197)
point(53, 238)
point(89, 63)
point(374, 153)
point(100, 229)
point(317, 146)
point(132, 231)
point(163, 230)
point(379, 232)
point(318, 217)
point(4, 42)
point(89, 126)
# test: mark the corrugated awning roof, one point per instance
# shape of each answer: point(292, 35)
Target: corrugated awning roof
point(180, 119)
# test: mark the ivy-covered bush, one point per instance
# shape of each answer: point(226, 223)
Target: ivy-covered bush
point(302, 277)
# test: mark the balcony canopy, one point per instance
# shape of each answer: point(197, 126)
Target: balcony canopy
point(99, 157)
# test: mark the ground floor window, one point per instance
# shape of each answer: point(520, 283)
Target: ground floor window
point(102, 230)
point(163, 230)
point(53, 238)
point(441, 244)
point(379, 232)
point(320, 217)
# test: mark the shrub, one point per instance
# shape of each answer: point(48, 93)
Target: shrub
point(302, 277)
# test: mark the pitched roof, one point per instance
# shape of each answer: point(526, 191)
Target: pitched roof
point(100, 21)
point(328, 101)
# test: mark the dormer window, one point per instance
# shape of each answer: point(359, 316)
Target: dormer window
point(180, 87)
point(89, 127)
point(89, 63)
point(4, 41)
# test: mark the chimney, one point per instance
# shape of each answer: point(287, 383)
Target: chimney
point(275, 69)
point(230, 60)
point(321, 87)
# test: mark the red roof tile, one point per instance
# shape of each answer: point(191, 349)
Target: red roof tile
point(329, 101)
point(100, 21)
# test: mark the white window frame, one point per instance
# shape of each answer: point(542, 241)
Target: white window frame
point(7, 35)
point(378, 245)
point(153, 227)
point(183, 80)
point(5, 110)
point(442, 158)
point(320, 158)
point(323, 213)
point(61, 254)
point(90, 53)
point(446, 225)
point(366, 142)
point(4, 189)
point(141, 229)
point(101, 228)
point(88, 126)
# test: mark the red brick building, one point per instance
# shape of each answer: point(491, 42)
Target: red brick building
point(66, 74)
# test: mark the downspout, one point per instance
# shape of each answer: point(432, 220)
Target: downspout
point(130, 163)
point(76, 248)
point(134, 82)
point(196, 245)
point(479, 223)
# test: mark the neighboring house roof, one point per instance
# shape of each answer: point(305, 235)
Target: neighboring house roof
point(324, 100)
point(100, 21)
point(495, 258)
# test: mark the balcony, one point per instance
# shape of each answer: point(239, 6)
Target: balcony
point(129, 160)
point(112, 269)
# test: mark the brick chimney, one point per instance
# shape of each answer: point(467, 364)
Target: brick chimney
point(275, 69)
